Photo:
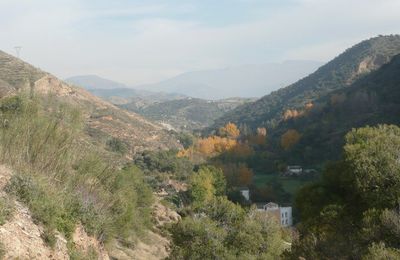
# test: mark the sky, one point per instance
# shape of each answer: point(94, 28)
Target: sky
point(145, 41)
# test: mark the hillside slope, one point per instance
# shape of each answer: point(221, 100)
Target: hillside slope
point(104, 121)
point(339, 73)
point(188, 113)
point(90, 82)
point(118, 93)
point(372, 100)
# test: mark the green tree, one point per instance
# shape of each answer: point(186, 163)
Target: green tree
point(372, 154)
point(224, 230)
point(207, 183)
point(353, 207)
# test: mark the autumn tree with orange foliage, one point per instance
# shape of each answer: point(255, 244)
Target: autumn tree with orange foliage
point(290, 138)
point(236, 174)
point(230, 130)
point(309, 106)
point(241, 150)
point(262, 131)
point(210, 146)
point(291, 113)
point(245, 175)
point(260, 138)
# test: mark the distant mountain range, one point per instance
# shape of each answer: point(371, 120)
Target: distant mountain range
point(241, 81)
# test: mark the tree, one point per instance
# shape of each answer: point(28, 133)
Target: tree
point(245, 175)
point(224, 230)
point(352, 211)
point(381, 252)
point(290, 138)
point(207, 183)
point(198, 239)
point(230, 130)
point(373, 155)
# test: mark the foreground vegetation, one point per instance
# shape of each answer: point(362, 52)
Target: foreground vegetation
point(353, 212)
point(216, 228)
point(63, 179)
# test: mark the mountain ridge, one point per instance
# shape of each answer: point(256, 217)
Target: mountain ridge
point(371, 100)
point(244, 81)
point(340, 72)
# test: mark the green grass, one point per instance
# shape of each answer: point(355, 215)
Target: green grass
point(290, 184)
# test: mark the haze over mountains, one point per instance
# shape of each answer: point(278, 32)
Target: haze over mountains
point(241, 81)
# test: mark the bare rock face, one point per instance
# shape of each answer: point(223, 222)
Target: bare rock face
point(21, 238)
point(371, 63)
point(164, 215)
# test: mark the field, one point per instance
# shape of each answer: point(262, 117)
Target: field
point(289, 184)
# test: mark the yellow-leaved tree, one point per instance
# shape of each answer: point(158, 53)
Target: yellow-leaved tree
point(230, 130)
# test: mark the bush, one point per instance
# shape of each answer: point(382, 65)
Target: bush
point(76, 254)
point(226, 233)
point(6, 209)
point(116, 145)
point(62, 179)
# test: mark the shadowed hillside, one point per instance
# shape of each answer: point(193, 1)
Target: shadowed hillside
point(372, 100)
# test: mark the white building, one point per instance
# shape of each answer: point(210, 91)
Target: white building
point(286, 216)
point(283, 214)
point(245, 193)
point(294, 170)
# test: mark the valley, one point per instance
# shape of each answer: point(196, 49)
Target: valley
point(286, 160)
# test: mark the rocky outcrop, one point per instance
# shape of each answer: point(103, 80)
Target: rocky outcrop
point(21, 237)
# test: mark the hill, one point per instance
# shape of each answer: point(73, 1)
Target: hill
point(174, 111)
point(186, 114)
point(68, 189)
point(118, 93)
point(371, 100)
point(243, 81)
point(339, 73)
point(90, 82)
point(104, 121)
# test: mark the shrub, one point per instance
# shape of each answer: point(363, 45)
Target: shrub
point(63, 179)
point(116, 145)
point(6, 209)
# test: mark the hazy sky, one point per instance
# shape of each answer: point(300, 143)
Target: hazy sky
point(144, 41)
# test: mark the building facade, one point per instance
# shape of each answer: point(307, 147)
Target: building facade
point(282, 214)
